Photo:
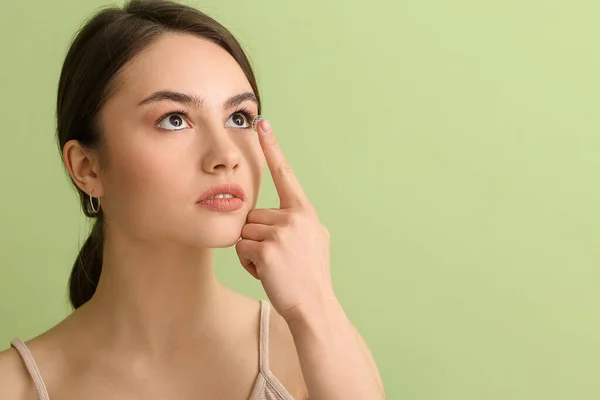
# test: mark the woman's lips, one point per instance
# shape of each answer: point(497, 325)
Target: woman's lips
point(227, 188)
point(228, 204)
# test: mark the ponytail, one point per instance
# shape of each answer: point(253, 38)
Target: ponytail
point(88, 265)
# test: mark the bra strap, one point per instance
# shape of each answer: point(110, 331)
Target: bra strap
point(32, 368)
point(264, 335)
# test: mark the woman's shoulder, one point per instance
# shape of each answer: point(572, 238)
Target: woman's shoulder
point(15, 383)
point(284, 362)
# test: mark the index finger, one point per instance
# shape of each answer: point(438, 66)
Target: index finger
point(289, 189)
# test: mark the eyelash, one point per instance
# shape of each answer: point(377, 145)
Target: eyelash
point(244, 111)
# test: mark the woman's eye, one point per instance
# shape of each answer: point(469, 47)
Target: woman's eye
point(173, 122)
point(239, 118)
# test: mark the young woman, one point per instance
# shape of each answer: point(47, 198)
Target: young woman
point(156, 106)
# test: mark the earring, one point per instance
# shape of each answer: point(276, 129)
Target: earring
point(92, 203)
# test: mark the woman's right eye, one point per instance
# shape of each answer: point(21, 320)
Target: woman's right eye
point(173, 122)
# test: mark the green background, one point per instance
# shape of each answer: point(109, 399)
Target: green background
point(451, 148)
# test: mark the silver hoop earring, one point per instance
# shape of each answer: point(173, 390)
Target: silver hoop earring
point(92, 204)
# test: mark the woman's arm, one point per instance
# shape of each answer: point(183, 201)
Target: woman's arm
point(335, 360)
point(288, 250)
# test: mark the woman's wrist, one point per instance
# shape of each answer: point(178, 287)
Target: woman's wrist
point(321, 315)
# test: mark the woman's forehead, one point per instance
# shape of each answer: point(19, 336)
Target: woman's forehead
point(185, 63)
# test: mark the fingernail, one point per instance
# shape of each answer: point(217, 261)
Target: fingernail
point(266, 128)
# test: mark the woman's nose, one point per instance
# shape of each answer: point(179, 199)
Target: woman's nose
point(221, 152)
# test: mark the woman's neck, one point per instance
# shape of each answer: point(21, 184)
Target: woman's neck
point(153, 297)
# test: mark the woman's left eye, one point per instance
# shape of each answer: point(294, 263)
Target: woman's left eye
point(240, 117)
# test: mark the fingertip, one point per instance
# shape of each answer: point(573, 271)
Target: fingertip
point(265, 128)
point(256, 121)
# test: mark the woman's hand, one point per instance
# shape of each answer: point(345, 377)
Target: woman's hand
point(287, 248)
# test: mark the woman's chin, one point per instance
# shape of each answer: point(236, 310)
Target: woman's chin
point(226, 243)
point(218, 239)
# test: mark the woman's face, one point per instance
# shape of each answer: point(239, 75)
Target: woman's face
point(163, 154)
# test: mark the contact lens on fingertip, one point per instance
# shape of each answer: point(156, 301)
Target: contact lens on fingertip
point(255, 122)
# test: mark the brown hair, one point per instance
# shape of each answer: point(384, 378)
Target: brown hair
point(108, 40)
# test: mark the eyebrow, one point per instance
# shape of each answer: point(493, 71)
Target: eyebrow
point(196, 101)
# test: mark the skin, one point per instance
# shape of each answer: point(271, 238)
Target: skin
point(160, 324)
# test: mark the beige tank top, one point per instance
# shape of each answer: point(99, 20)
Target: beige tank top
point(266, 385)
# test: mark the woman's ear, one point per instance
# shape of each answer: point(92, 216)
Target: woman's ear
point(84, 167)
